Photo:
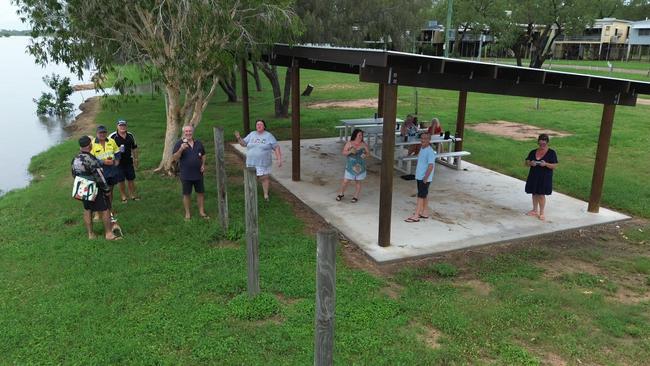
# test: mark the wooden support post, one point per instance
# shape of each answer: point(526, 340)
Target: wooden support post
point(222, 192)
point(387, 158)
point(460, 119)
point(252, 240)
point(295, 121)
point(244, 96)
point(602, 150)
point(325, 297)
point(380, 101)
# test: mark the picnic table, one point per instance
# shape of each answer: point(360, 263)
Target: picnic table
point(362, 123)
point(444, 146)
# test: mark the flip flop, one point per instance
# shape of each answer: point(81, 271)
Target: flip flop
point(115, 238)
point(206, 217)
point(136, 198)
point(423, 217)
point(542, 217)
point(531, 213)
point(124, 200)
point(412, 220)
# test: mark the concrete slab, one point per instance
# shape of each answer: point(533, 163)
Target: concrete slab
point(471, 207)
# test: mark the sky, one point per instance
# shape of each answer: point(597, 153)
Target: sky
point(8, 17)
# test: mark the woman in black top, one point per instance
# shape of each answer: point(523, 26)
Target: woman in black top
point(542, 161)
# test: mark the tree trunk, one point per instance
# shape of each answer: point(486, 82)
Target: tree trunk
point(229, 89)
point(172, 132)
point(541, 47)
point(271, 72)
point(256, 76)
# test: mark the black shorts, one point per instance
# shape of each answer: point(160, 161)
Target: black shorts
point(188, 184)
point(100, 203)
point(111, 181)
point(125, 171)
point(423, 189)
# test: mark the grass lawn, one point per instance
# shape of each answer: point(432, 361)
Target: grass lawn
point(174, 292)
point(630, 65)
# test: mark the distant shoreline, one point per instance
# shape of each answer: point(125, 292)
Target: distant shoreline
point(84, 123)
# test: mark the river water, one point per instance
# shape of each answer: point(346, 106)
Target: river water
point(23, 133)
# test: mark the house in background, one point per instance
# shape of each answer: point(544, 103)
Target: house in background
point(432, 39)
point(639, 40)
point(606, 39)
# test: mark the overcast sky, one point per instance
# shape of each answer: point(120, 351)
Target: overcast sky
point(8, 17)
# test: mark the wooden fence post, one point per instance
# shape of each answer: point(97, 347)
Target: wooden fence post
point(325, 297)
point(252, 240)
point(222, 192)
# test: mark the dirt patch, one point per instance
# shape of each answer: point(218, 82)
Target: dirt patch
point(393, 290)
point(430, 336)
point(480, 287)
point(562, 265)
point(551, 359)
point(514, 130)
point(286, 300)
point(84, 124)
point(630, 297)
point(642, 101)
point(78, 87)
point(338, 87)
point(358, 103)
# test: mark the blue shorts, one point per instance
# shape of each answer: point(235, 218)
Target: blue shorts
point(125, 171)
point(423, 189)
point(188, 184)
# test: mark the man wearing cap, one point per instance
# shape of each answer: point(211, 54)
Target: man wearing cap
point(87, 166)
point(191, 156)
point(108, 153)
point(128, 160)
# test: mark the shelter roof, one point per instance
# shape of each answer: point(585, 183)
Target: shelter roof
point(408, 69)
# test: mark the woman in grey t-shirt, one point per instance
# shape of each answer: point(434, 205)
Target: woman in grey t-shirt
point(260, 146)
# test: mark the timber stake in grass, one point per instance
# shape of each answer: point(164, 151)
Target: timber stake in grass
point(222, 192)
point(252, 240)
point(325, 297)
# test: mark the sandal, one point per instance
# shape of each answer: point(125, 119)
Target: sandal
point(423, 217)
point(124, 200)
point(205, 217)
point(354, 200)
point(339, 197)
point(136, 198)
point(412, 220)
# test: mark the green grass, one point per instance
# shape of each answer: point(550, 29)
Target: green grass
point(175, 293)
point(629, 65)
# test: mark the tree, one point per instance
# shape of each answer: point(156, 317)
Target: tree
point(536, 24)
point(192, 43)
point(471, 16)
point(634, 10)
point(348, 23)
point(58, 103)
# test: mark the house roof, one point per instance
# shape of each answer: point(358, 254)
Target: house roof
point(407, 69)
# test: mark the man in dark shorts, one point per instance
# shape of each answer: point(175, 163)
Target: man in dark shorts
point(191, 155)
point(125, 140)
point(423, 177)
point(87, 166)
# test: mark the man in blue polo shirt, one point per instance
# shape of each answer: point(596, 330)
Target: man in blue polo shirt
point(423, 177)
point(191, 155)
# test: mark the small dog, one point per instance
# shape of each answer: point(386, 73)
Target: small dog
point(117, 230)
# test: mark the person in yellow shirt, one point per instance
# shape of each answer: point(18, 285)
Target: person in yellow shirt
point(108, 153)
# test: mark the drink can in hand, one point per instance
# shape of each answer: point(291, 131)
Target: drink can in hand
point(122, 148)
